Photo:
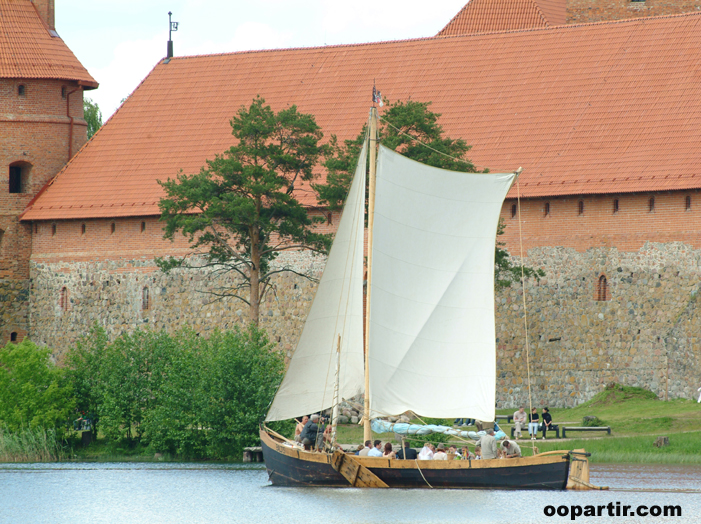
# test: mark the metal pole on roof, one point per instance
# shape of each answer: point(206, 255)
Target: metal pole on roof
point(172, 26)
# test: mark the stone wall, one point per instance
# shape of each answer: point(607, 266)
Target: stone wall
point(647, 324)
point(111, 294)
point(582, 11)
point(578, 344)
point(14, 309)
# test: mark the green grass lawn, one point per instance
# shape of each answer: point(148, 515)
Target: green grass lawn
point(636, 418)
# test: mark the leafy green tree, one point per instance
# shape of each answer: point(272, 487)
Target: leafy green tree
point(92, 115)
point(33, 391)
point(408, 128)
point(240, 212)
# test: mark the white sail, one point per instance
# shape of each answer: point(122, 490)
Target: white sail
point(337, 309)
point(432, 335)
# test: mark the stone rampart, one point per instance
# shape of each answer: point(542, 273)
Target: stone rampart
point(643, 332)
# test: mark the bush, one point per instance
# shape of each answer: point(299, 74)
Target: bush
point(185, 395)
point(34, 393)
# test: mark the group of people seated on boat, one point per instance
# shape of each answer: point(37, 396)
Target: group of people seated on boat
point(307, 432)
point(509, 449)
point(534, 425)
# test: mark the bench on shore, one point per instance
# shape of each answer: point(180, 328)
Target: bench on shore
point(509, 418)
point(585, 428)
point(555, 428)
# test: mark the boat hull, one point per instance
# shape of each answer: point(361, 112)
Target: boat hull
point(288, 466)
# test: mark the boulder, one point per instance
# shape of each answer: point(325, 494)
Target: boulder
point(354, 419)
point(661, 442)
point(342, 419)
point(393, 419)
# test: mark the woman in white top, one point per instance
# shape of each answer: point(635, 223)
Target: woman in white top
point(426, 453)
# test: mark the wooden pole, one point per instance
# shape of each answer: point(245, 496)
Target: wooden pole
point(367, 432)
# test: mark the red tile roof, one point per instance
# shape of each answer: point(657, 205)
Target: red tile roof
point(485, 16)
point(29, 50)
point(595, 108)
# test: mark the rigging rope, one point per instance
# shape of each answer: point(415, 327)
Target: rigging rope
point(525, 313)
point(433, 149)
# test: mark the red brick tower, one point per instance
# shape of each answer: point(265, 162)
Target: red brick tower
point(41, 127)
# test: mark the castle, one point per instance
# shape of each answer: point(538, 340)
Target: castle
point(602, 117)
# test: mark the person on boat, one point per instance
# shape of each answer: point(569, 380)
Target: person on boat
point(519, 421)
point(407, 453)
point(360, 448)
point(310, 429)
point(388, 451)
point(478, 452)
point(426, 452)
point(440, 453)
point(454, 450)
point(533, 424)
point(488, 444)
point(376, 451)
point(364, 452)
point(300, 427)
point(547, 421)
point(510, 449)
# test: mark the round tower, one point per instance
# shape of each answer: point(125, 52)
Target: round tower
point(41, 127)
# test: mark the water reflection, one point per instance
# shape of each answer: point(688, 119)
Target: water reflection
point(119, 493)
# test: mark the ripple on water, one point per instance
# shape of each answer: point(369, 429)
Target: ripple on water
point(131, 493)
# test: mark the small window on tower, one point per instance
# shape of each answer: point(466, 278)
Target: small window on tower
point(143, 226)
point(13, 336)
point(688, 203)
point(36, 227)
point(514, 211)
point(113, 228)
point(64, 92)
point(329, 218)
point(615, 206)
point(651, 204)
point(21, 90)
point(2, 234)
point(580, 207)
point(82, 229)
point(15, 179)
point(546, 210)
point(53, 230)
point(602, 289)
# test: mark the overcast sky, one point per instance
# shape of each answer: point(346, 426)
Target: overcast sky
point(120, 42)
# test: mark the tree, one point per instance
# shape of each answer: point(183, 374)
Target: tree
point(92, 115)
point(412, 129)
point(33, 390)
point(240, 211)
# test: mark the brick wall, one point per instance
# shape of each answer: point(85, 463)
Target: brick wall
point(583, 11)
point(46, 10)
point(34, 136)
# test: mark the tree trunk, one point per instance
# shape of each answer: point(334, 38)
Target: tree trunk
point(255, 280)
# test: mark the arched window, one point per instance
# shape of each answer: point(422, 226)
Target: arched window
point(2, 234)
point(113, 228)
point(19, 177)
point(13, 336)
point(329, 218)
point(53, 230)
point(143, 226)
point(615, 205)
point(602, 289)
point(21, 90)
point(63, 299)
point(64, 92)
point(514, 211)
point(546, 209)
point(82, 229)
point(651, 204)
point(688, 202)
point(145, 302)
point(580, 207)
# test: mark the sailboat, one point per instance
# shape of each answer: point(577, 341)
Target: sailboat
point(430, 345)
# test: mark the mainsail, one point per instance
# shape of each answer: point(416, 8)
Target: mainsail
point(337, 310)
point(432, 334)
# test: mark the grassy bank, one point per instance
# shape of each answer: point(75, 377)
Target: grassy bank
point(636, 418)
point(31, 445)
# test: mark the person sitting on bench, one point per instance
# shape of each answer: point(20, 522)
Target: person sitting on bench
point(547, 421)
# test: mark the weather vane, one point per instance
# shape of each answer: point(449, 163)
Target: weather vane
point(172, 26)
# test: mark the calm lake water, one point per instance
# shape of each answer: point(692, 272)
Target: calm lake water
point(116, 493)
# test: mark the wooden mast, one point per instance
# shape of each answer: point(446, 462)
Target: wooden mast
point(367, 432)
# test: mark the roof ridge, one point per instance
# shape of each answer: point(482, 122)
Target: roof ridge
point(540, 12)
point(435, 37)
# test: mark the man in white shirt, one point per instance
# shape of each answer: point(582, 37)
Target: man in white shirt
point(519, 421)
point(510, 449)
point(376, 451)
